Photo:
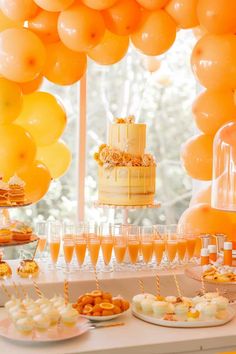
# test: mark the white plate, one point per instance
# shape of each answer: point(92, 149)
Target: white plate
point(103, 318)
point(196, 273)
point(53, 334)
point(184, 324)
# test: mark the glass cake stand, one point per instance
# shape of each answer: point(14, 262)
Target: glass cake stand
point(126, 208)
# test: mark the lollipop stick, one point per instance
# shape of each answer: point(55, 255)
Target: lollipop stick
point(158, 285)
point(203, 289)
point(16, 290)
point(6, 291)
point(66, 291)
point(141, 285)
point(96, 278)
point(23, 290)
point(177, 285)
point(37, 290)
point(35, 250)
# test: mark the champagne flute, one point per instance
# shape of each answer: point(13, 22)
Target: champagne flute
point(68, 241)
point(171, 244)
point(133, 245)
point(80, 244)
point(147, 240)
point(94, 243)
point(181, 247)
point(54, 239)
point(119, 234)
point(41, 229)
point(106, 245)
point(159, 243)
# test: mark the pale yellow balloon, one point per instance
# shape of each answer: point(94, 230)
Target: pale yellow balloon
point(57, 157)
point(54, 5)
point(19, 10)
point(43, 116)
point(6, 22)
point(11, 101)
point(17, 149)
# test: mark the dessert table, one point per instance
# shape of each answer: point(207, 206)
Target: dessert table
point(135, 337)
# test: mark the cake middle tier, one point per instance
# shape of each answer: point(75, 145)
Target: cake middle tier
point(128, 137)
point(126, 185)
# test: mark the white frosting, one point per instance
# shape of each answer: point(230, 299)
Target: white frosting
point(15, 180)
point(11, 303)
point(3, 185)
point(69, 314)
point(52, 313)
point(159, 308)
point(181, 309)
point(146, 305)
point(41, 321)
point(33, 311)
point(27, 301)
point(171, 299)
point(221, 302)
point(18, 314)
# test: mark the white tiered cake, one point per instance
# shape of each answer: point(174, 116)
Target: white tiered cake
point(126, 174)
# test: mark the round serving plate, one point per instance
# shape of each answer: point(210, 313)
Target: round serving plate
point(103, 318)
point(196, 273)
point(185, 324)
point(97, 204)
point(33, 238)
point(53, 334)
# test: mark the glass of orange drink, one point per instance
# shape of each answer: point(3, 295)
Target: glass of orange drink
point(159, 244)
point(181, 247)
point(68, 241)
point(147, 243)
point(80, 244)
point(54, 240)
point(171, 244)
point(119, 234)
point(191, 241)
point(41, 230)
point(94, 243)
point(133, 244)
point(106, 245)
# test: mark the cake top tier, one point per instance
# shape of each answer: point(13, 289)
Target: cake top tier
point(128, 136)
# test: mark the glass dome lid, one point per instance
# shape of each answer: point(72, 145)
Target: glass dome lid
point(223, 195)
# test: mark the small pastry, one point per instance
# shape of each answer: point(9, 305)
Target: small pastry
point(221, 302)
point(27, 301)
point(146, 306)
point(41, 322)
point(52, 313)
point(24, 325)
point(159, 308)
point(181, 311)
point(20, 231)
point(16, 190)
point(5, 235)
point(69, 315)
point(4, 194)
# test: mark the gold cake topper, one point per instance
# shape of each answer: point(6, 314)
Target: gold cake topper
point(128, 120)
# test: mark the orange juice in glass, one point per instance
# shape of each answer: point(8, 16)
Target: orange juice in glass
point(190, 244)
point(181, 248)
point(171, 249)
point(68, 248)
point(41, 230)
point(54, 239)
point(159, 249)
point(106, 238)
point(119, 234)
point(147, 238)
point(94, 248)
point(133, 244)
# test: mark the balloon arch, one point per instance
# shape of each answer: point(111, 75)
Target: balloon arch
point(53, 38)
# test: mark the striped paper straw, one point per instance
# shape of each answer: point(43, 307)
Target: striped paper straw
point(96, 279)
point(141, 285)
point(177, 285)
point(37, 290)
point(158, 285)
point(66, 291)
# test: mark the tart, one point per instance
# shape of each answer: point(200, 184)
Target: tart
point(5, 235)
point(20, 231)
point(16, 190)
point(4, 194)
point(28, 268)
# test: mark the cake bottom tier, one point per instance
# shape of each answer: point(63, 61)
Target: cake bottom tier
point(126, 185)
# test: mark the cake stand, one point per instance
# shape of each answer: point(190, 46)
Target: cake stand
point(126, 208)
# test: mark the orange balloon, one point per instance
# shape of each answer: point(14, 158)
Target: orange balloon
point(110, 50)
point(202, 219)
point(43, 116)
point(156, 34)
point(123, 18)
point(63, 66)
point(31, 86)
point(11, 101)
point(212, 109)
point(19, 10)
point(199, 32)
point(5, 22)
point(22, 55)
point(203, 196)
point(184, 12)
point(153, 4)
point(49, 156)
point(54, 5)
point(214, 61)
point(217, 16)
point(80, 28)
point(17, 149)
point(37, 180)
point(45, 26)
point(99, 4)
point(196, 155)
